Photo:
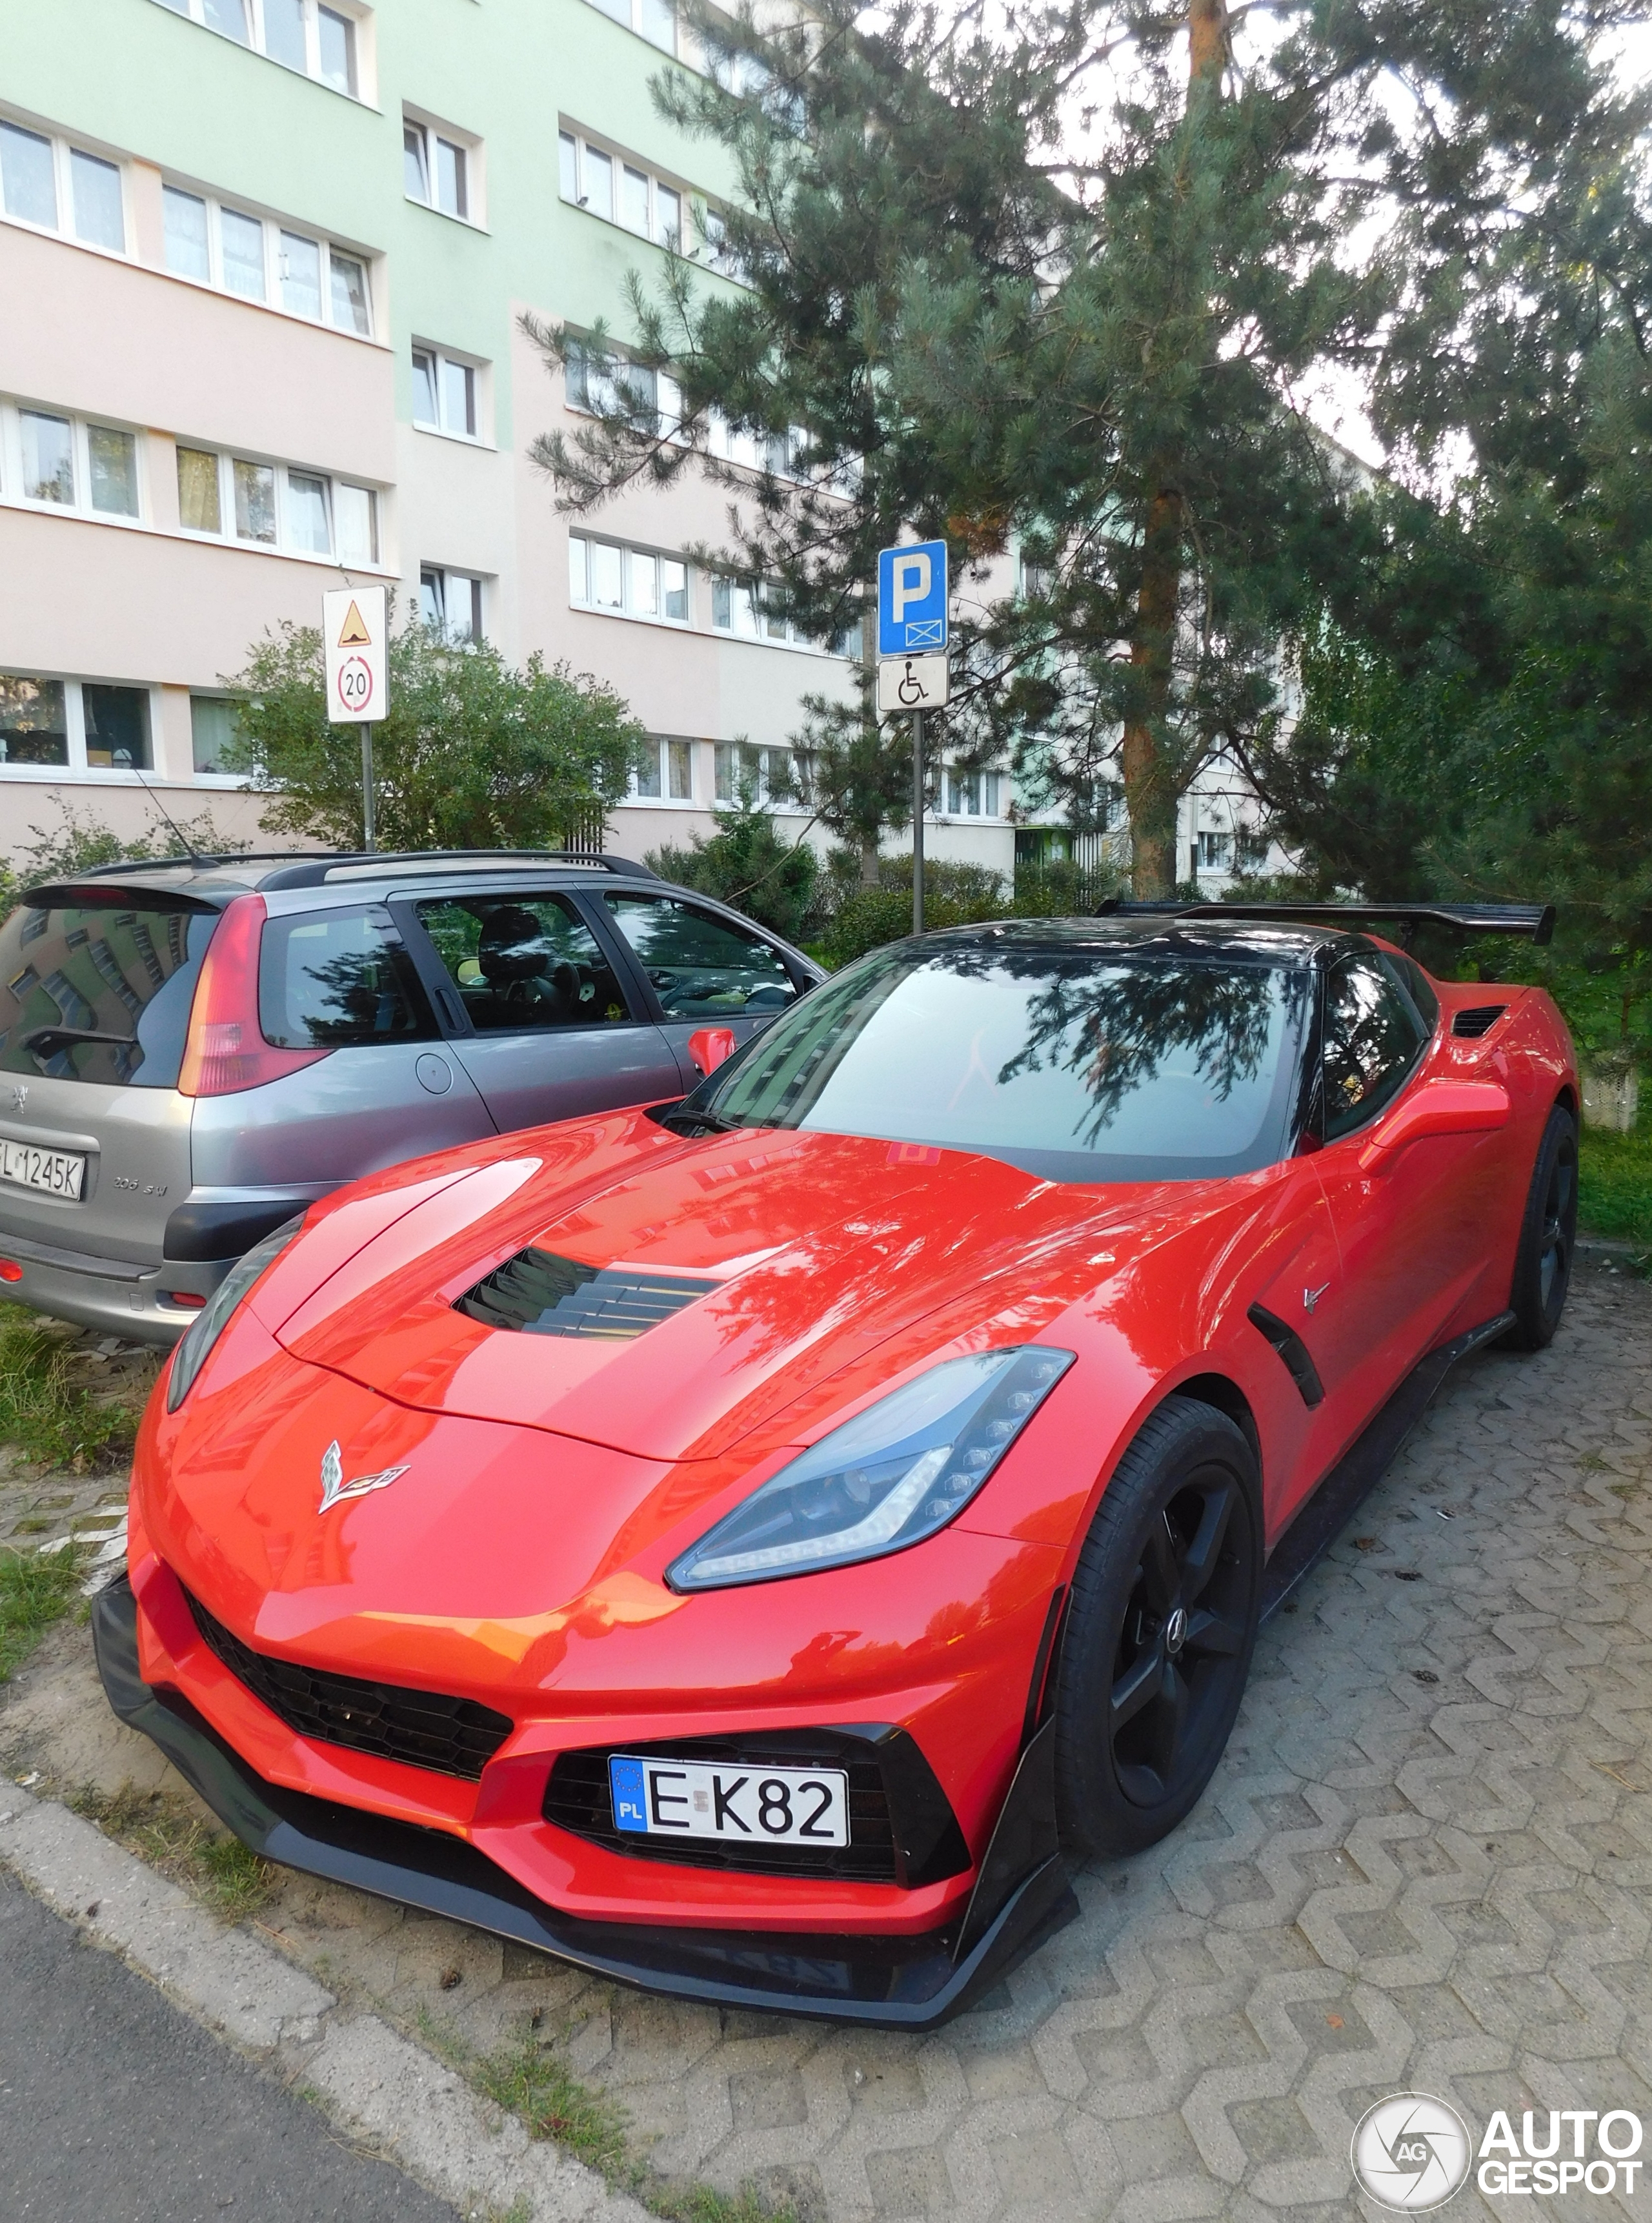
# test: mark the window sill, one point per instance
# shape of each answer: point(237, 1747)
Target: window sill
point(447, 216)
point(791, 647)
point(22, 508)
point(635, 617)
point(660, 802)
point(68, 239)
point(263, 308)
point(241, 47)
point(459, 439)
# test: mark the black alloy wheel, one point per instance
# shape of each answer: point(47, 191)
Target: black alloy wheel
point(1160, 1629)
point(1548, 1232)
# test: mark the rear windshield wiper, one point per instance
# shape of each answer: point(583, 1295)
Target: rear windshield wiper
point(45, 1042)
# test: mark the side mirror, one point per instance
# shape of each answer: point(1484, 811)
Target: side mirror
point(709, 1046)
point(1439, 1107)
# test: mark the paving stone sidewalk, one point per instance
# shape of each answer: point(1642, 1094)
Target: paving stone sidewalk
point(1426, 1863)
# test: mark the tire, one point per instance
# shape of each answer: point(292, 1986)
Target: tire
point(1143, 1707)
point(1548, 1234)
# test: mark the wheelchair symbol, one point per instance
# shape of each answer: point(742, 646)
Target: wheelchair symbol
point(911, 689)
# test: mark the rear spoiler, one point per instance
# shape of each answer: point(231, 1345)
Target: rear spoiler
point(1534, 921)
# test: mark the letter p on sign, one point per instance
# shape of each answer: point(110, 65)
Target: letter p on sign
point(911, 584)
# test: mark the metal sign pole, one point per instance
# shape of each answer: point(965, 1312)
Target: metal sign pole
point(368, 840)
point(917, 821)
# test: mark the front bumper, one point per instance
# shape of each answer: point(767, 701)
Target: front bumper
point(887, 1982)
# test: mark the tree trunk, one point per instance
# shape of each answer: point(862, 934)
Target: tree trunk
point(1150, 790)
point(868, 862)
point(1149, 786)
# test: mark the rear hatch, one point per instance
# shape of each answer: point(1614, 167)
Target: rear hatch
point(96, 985)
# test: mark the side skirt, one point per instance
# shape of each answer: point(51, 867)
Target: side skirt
point(1327, 1511)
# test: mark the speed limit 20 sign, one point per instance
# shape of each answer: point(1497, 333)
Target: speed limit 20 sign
point(353, 629)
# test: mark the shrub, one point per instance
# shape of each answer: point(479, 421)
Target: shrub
point(747, 865)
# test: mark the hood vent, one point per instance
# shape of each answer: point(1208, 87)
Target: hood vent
point(1479, 1019)
point(540, 1293)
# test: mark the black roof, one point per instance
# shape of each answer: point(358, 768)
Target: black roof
point(225, 876)
point(1152, 935)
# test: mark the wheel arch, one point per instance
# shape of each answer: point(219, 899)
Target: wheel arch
point(1222, 1392)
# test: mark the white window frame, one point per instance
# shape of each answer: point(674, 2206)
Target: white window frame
point(63, 151)
point(227, 537)
point(475, 585)
point(727, 591)
point(630, 553)
point(358, 18)
point(662, 745)
point(441, 356)
point(273, 227)
point(584, 143)
point(988, 790)
point(730, 759)
point(12, 495)
point(629, 16)
point(74, 721)
point(431, 129)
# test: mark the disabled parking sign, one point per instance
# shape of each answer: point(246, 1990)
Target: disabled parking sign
point(912, 598)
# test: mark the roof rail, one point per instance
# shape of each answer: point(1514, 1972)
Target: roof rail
point(1535, 921)
point(314, 872)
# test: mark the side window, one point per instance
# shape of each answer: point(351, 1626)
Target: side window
point(525, 961)
point(1372, 1036)
point(337, 980)
point(702, 967)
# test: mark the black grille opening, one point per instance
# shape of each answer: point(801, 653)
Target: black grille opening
point(900, 1828)
point(1476, 1020)
point(423, 1728)
point(538, 1292)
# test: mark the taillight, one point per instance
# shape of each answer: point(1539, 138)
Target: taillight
point(226, 1049)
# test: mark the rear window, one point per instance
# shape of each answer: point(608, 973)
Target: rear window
point(100, 989)
point(338, 980)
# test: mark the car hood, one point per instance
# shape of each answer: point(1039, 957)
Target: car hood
point(818, 1249)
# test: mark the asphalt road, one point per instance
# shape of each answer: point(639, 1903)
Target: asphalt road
point(114, 2105)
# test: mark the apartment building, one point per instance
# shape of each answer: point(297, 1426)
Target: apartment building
point(263, 263)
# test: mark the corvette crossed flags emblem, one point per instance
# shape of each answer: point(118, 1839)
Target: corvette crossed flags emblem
point(335, 1489)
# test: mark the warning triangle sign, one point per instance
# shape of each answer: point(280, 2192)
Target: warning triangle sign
point(355, 633)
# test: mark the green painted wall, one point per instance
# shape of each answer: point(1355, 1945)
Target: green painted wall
point(153, 85)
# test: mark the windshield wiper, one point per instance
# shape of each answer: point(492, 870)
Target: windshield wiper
point(681, 1121)
point(45, 1042)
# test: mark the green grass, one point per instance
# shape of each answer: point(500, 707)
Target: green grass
point(1614, 1183)
point(532, 2082)
point(161, 1830)
point(34, 1593)
point(44, 1413)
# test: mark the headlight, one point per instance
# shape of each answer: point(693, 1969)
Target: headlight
point(892, 1476)
point(209, 1324)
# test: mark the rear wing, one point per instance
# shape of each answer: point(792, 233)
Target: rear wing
point(1536, 921)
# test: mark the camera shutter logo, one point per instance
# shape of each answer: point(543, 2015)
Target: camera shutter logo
point(1411, 2152)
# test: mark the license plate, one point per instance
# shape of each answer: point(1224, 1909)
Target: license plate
point(740, 1805)
point(59, 1173)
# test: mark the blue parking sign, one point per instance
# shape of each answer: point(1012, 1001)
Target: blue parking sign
point(912, 597)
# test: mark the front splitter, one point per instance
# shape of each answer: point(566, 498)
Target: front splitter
point(882, 1982)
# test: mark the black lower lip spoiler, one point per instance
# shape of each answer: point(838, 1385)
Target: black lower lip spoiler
point(912, 1983)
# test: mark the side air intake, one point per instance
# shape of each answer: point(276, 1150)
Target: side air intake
point(540, 1293)
point(1479, 1019)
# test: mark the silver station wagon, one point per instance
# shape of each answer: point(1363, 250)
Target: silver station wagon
point(191, 1052)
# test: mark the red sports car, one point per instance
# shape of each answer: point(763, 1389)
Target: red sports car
point(743, 1546)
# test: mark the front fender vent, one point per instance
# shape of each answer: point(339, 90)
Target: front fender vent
point(538, 1292)
point(1479, 1019)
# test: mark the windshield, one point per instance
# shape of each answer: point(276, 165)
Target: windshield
point(1071, 1064)
point(100, 989)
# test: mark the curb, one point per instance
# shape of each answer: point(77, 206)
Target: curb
point(377, 2084)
